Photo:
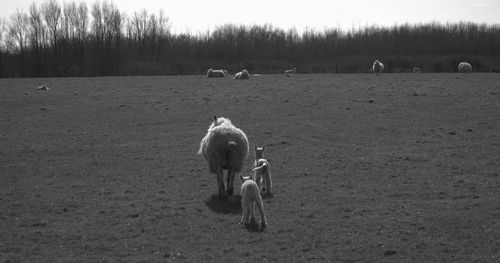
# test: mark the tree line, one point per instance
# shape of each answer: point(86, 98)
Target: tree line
point(74, 39)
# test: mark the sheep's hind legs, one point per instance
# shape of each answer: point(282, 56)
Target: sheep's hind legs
point(220, 183)
point(230, 180)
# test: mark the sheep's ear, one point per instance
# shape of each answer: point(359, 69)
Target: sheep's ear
point(215, 117)
point(255, 147)
point(263, 147)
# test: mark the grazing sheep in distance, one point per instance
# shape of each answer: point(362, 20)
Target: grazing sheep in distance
point(250, 196)
point(464, 67)
point(216, 73)
point(290, 72)
point(242, 75)
point(225, 147)
point(378, 67)
point(262, 170)
point(42, 87)
point(417, 70)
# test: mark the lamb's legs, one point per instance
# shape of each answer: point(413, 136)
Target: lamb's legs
point(230, 179)
point(260, 206)
point(268, 182)
point(220, 182)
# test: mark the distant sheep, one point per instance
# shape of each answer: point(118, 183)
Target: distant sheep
point(242, 75)
point(262, 171)
point(464, 67)
point(290, 72)
point(378, 67)
point(225, 147)
point(42, 87)
point(250, 196)
point(417, 70)
point(216, 73)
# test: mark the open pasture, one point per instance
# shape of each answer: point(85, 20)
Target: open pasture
point(393, 168)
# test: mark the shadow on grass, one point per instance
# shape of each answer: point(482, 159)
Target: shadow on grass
point(254, 227)
point(266, 196)
point(226, 205)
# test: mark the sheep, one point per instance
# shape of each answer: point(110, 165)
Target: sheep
point(378, 67)
point(290, 72)
point(42, 87)
point(216, 73)
point(417, 70)
point(242, 75)
point(464, 67)
point(262, 170)
point(225, 147)
point(250, 196)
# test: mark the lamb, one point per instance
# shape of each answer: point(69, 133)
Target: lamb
point(250, 196)
point(464, 67)
point(262, 170)
point(378, 67)
point(225, 147)
point(417, 70)
point(242, 75)
point(290, 72)
point(216, 73)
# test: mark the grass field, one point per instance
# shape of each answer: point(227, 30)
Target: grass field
point(391, 168)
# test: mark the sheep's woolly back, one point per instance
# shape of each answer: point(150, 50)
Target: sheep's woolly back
point(216, 73)
point(242, 75)
point(224, 146)
point(290, 72)
point(378, 66)
point(464, 67)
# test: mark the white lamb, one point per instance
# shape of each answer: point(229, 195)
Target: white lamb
point(242, 75)
point(262, 171)
point(378, 67)
point(464, 67)
point(417, 70)
point(290, 72)
point(250, 196)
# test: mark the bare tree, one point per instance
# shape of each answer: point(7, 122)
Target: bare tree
point(112, 23)
point(83, 21)
point(51, 11)
point(70, 21)
point(37, 31)
point(139, 24)
point(19, 32)
point(97, 23)
point(3, 35)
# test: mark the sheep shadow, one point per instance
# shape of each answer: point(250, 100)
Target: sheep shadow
point(225, 205)
point(254, 227)
point(266, 196)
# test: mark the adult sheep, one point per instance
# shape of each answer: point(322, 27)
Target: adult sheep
point(417, 70)
point(464, 67)
point(225, 147)
point(242, 75)
point(378, 67)
point(215, 73)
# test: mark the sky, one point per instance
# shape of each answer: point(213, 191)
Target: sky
point(193, 16)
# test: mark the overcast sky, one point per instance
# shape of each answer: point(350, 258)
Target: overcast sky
point(198, 15)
